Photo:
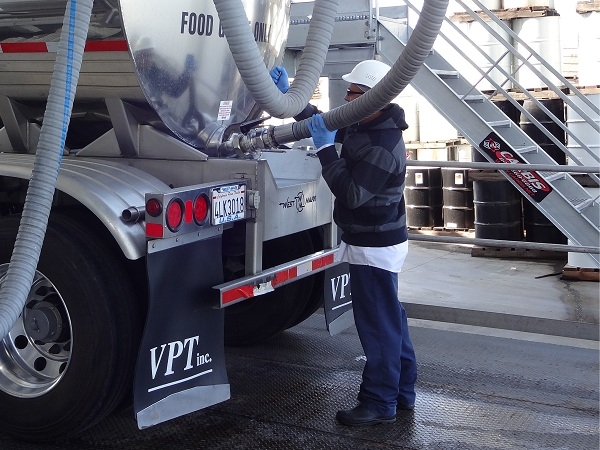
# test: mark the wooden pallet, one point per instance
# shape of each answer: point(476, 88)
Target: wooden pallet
point(581, 273)
point(594, 89)
point(542, 93)
point(442, 231)
point(415, 145)
point(588, 6)
point(516, 253)
point(539, 93)
point(508, 14)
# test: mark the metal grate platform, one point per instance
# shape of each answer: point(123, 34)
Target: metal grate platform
point(474, 392)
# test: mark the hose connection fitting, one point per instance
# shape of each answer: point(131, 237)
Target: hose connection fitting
point(251, 144)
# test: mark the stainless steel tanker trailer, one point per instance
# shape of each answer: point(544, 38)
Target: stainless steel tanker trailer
point(150, 102)
point(170, 230)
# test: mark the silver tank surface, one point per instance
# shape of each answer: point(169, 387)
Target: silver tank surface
point(184, 64)
point(178, 53)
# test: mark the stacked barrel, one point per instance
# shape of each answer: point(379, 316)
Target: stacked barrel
point(423, 197)
point(562, 34)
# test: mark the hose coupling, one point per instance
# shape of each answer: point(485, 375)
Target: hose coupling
point(250, 145)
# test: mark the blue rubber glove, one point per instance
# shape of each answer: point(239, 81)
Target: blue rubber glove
point(280, 77)
point(319, 132)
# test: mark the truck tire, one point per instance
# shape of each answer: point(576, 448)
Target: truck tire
point(258, 319)
point(314, 301)
point(315, 298)
point(75, 364)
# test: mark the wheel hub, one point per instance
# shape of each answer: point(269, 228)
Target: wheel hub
point(43, 322)
point(36, 352)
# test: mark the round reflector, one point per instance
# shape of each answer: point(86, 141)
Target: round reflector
point(153, 207)
point(174, 214)
point(201, 209)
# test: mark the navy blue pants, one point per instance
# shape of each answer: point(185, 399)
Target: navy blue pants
point(390, 372)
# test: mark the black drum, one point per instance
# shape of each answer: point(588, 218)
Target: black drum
point(556, 107)
point(498, 210)
point(423, 197)
point(538, 228)
point(458, 198)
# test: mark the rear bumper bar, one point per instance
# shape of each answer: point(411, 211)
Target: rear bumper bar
point(268, 280)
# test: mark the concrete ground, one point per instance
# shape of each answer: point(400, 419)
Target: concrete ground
point(501, 359)
point(443, 282)
point(475, 391)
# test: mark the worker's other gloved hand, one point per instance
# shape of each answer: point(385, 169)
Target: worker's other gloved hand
point(280, 77)
point(319, 132)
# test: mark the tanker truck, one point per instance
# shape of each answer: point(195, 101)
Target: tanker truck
point(178, 223)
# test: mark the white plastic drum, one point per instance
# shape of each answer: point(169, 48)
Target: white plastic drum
point(589, 53)
point(409, 101)
point(542, 35)
point(492, 47)
point(584, 131)
point(477, 37)
point(433, 127)
point(589, 137)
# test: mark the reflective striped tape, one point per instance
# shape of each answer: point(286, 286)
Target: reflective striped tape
point(285, 276)
point(52, 47)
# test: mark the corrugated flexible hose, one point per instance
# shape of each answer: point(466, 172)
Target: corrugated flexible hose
point(400, 75)
point(16, 284)
point(256, 77)
point(250, 63)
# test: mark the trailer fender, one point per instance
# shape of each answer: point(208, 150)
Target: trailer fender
point(105, 188)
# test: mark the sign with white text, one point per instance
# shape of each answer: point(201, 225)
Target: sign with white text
point(337, 298)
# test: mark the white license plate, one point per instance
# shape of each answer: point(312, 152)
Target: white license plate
point(228, 204)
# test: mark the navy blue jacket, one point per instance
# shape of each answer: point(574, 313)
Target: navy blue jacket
point(367, 180)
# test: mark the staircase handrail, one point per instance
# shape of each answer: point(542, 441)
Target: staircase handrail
point(533, 53)
point(509, 76)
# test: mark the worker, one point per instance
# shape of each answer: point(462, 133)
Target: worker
point(367, 180)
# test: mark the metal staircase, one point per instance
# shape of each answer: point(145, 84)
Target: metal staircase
point(559, 196)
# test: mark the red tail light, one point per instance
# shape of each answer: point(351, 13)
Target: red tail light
point(175, 211)
point(201, 209)
point(194, 209)
point(153, 207)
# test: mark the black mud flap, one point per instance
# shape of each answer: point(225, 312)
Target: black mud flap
point(181, 363)
point(337, 298)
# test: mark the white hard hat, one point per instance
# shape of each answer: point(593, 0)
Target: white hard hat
point(367, 73)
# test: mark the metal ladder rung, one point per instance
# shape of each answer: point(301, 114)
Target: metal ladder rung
point(530, 149)
point(474, 98)
point(446, 73)
point(552, 176)
point(582, 204)
point(477, 114)
point(506, 123)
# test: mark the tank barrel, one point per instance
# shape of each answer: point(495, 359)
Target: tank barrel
point(175, 59)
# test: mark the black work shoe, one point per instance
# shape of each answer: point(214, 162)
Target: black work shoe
point(399, 406)
point(405, 407)
point(361, 416)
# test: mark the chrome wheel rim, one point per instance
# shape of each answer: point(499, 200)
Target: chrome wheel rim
point(35, 354)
